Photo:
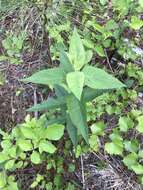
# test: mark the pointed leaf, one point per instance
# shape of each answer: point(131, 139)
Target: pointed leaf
point(98, 79)
point(90, 94)
point(77, 115)
point(47, 77)
point(51, 103)
point(75, 81)
point(72, 131)
point(60, 91)
point(76, 51)
point(89, 55)
point(58, 120)
point(65, 63)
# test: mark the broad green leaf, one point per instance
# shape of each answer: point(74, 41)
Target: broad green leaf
point(3, 157)
point(125, 123)
point(131, 146)
point(3, 180)
point(88, 43)
point(114, 148)
point(35, 157)
point(19, 164)
point(140, 124)
point(12, 152)
point(98, 128)
point(22, 155)
point(60, 91)
point(28, 132)
point(54, 131)
point(65, 63)
point(51, 103)
point(136, 23)
point(77, 115)
point(75, 81)
point(137, 168)
point(94, 142)
point(47, 77)
point(89, 94)
point(12, 186)
point(130, 159)
point(98, 79)
point(46, 146)
point(100, 51)
point(72, 131)
point(24, 145)
point(76, 51)
point(10, 164)
point(6, 144)
point(115, 136)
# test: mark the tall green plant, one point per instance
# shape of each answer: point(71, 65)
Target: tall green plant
point(75, 83)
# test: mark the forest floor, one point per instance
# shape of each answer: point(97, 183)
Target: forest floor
point(16, 97)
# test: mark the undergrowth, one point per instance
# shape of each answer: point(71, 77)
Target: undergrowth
point(87, 117)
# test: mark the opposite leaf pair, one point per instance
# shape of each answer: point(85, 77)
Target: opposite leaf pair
point(75, 83)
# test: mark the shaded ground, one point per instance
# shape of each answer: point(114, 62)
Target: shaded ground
point(15, 96)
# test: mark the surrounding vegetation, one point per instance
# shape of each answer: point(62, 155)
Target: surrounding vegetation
point(71, 94)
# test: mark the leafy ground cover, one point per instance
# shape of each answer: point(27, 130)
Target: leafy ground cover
point(78, 124)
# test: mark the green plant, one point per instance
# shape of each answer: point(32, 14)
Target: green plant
point(29, 142)
point(13, 45)
point(81, 100)
point(77, 83)
point(125, 134)
point(128, 149)
point(7, 182)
